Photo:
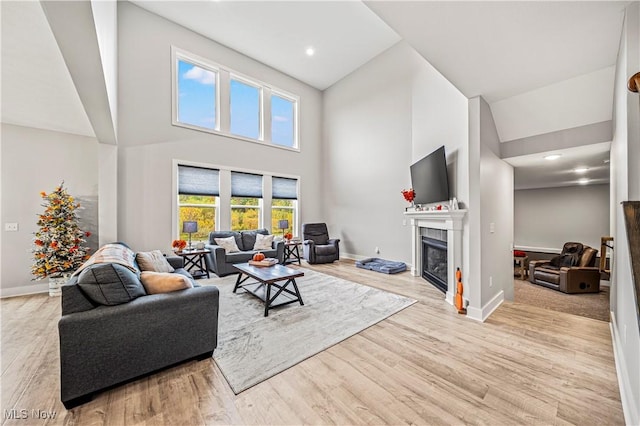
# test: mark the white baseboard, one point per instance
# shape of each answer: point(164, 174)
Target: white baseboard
point(481, 314)
point(24, 290)
point(629, 406)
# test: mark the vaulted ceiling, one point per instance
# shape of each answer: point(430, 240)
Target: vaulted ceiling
point(499, 50)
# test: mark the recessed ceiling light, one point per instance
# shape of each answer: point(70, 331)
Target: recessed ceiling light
point(310, 51)
point(583, 181)
point(553, 157)
point(580, 169)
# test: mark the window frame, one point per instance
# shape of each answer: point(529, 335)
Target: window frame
point(246, 81)
point(294, 209)
point(296, 102)
point(216, 212)
point(224, 75)
point(180, 55)
point(259, 207)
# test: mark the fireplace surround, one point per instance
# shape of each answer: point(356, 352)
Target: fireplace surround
point(422, 225)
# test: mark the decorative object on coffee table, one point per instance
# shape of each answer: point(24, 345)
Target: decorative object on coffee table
point(189, 227)
point(58, 242)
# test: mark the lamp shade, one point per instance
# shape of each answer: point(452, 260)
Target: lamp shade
point(189, 227)
point(283, 224)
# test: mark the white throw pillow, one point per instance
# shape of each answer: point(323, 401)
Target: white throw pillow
point(228, 244)
point(263, 242)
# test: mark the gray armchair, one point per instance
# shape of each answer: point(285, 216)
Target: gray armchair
point(317, 246)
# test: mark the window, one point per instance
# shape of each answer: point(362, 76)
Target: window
point(198, 191)
point(212, 98)
point(283, 121)
point(245, 102)
point(246, 201)
point(284, 204)
point(196, 95)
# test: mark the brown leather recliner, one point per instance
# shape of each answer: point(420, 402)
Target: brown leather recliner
point(571, 272)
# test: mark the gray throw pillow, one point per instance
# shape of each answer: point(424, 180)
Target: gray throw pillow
point(110, 284)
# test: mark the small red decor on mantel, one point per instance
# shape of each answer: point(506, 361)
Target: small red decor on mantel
point(409, 194)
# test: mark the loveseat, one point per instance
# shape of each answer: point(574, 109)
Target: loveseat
point(111, 331)
point(573, 271)
point(220, 261)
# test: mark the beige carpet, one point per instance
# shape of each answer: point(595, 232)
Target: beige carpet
point(252, 348)
point(590, 305)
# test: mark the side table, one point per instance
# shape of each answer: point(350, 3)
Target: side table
point(292, 252)
point(522, 262)
point(194, 262)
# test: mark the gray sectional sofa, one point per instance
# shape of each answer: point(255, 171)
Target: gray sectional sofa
point(102, 345)
point(221, 263)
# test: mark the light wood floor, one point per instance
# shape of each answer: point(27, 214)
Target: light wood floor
point(424, 365)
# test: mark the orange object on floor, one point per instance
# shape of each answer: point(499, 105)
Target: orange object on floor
point(459, 302)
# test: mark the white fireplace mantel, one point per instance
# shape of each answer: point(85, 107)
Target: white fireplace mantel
point(452, 222)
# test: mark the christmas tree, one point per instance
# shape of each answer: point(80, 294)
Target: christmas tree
point(58, 243)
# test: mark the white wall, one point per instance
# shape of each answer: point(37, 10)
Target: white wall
point(148, 143)
point(547, 218)
point(496, 188)
point(35, 160)
point(377, 122)
point(491, 223)
point(625, 157)
point(105, 16)
point(559, 106)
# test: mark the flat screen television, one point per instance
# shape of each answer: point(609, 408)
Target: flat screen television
point(429, 178)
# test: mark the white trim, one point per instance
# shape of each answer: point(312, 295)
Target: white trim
point(629, 408)
point(539, 249)
point(24, 290)
point(483, 313)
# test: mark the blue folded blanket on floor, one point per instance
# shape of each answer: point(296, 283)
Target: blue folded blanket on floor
point(382, 265)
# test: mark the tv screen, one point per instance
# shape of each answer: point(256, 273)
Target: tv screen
point(429, 178)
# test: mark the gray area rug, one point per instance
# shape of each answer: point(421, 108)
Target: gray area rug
point(252, 348)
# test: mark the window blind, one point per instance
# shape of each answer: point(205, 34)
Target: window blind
point(246, 185)
point(198, 181)
point(284, 188)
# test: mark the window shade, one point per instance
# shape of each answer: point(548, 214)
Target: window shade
point(246, 185)
point(198, 181)
point(284, 188)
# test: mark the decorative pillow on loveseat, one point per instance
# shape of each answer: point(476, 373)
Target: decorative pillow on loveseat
point(164, 282)
point(110, 284)
point(263, 242)
point(228, 244)
point(153, 261)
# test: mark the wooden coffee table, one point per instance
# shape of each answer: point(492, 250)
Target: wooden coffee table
point(267, 277)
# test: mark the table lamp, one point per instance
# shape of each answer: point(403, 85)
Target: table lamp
point(189, 227)
point(284, 225)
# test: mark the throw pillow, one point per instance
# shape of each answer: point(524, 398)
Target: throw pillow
point(153, 261)
point(163, 282)
point(110, 284)
point(228, 244)
point(263, 242)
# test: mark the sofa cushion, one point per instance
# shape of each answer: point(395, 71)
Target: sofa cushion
point(228, 244)
point(110, 284)
point(588, 257)
point(548, 275)
point(153, 261)
point(164, 282)
point(263, 242)
point(325, 250)
point(225, 234)
point(249, 238)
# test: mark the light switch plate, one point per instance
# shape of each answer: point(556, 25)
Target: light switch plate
point(13, 226)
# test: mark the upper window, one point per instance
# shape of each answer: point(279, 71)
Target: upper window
point(212, 98)
point(283, 118)
point(245, 109)
point(196, 95)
